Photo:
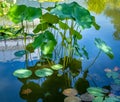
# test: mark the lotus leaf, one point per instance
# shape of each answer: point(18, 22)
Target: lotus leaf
point(18, 13)
point(57, 66)
point(22, 73)
point(72, 99)
point(43, 72)
point(104, 47)
point(74, 11)
point(96, 91)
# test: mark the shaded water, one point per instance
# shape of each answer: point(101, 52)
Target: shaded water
point(107, 15)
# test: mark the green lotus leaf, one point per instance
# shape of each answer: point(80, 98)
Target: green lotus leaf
point(20, 53)
point(22, 73)
point(64, 26)
point(104, 47)
point(49, 18)
point(74, 11)
point(43, 72)
point(18, 13)
point(57, 66)
point(96, 91)
point(47, 48)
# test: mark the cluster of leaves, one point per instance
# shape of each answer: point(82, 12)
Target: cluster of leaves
point(101, 95)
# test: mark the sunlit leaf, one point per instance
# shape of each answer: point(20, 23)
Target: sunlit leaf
point(104, 47)
point(18, 13)
point(48, 47)
point(43, 72)
point(22, 73)
point(57, 66)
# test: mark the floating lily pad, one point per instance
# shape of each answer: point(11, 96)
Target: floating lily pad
point(43, 72)
point(70, 92)
point(86, 97)
point(96, 91)
point(57, 66)
point(22, 73)
point(72, 99)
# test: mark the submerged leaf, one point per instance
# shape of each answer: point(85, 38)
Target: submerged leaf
point(104, 47)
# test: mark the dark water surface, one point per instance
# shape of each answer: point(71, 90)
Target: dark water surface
point(107, 14)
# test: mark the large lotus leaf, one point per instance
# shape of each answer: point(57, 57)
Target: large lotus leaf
point(22, 73)
point(18, 13)
point(20, 53)
point(33, 13)
point(43, 72)
point(57, 66)
point(96, 91)
point(47, 48)
point(98, 99)
point(74, 11)
point(49, 18)
point(104, 47)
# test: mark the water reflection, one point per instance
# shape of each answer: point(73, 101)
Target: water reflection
point(110, 8)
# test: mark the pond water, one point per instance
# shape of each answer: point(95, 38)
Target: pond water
point(107, 14)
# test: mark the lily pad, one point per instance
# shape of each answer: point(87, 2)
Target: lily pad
point(70, 92)
point(96, 91)
point(72, 99)
point(57, 66)
point(22, 73)
point(43, 72)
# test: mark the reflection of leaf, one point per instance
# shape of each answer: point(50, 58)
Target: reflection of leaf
point(104, 47)
point(96, 6)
